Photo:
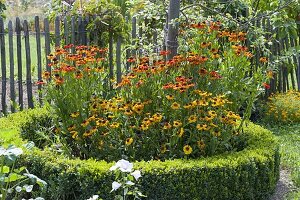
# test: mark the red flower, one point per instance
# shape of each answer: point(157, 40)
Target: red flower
point(267, 86)
point(41, 82)
point(164, 53)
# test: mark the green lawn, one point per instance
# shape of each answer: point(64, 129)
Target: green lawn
point(33, 53)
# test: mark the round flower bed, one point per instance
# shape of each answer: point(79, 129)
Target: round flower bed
point(248, 174)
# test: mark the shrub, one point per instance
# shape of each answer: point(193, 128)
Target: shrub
point(248, 174)
point(39, 129)
point(283, 108)
point(184, 107)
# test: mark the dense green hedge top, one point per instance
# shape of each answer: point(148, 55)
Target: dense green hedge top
point(261, 144)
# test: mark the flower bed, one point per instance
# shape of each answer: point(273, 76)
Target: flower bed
point(248, 174)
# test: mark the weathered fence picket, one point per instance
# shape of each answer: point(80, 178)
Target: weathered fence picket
point(19, 58)
point(3, 66)
point(28, 65)
point(11, 66)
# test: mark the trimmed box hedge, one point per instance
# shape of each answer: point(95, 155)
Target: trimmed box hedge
point(248, 174)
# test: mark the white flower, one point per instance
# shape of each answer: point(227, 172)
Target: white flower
point(94, 197)
point(18, 189)
point(124, 165)
point(28, 188)
point(129, 183)
point(115, 186)
point(136, 174)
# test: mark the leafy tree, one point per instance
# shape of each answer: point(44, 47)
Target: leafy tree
point(2, 8)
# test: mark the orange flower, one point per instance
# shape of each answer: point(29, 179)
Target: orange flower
point(263, 59)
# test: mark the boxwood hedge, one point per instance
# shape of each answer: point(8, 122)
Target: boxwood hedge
point(248, 174)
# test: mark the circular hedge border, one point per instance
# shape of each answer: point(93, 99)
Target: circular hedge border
point(248, 174)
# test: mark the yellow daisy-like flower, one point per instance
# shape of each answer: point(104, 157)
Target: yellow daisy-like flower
point(144, 127)
point(157, 117)
point(129, 141)
point(201, 144)
point(74, 114)
point(216, 133)
point(170, 97)
point(175, 106)
point(115, 125)
point(74, 134)
point(163, 148)
point(85, 123)
point(192, 118)
point(187, 149)
point(72, 127)
point(177, 123)
point(167, 126)
point(202, 127)
point(180, 132)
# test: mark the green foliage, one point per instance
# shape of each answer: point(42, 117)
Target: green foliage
point(2, 8)
point(10, 125)
point(249, 174)
point(14, 182)
point(105, 17)
point(39, 129)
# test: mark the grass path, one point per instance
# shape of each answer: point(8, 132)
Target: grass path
point(289, 138)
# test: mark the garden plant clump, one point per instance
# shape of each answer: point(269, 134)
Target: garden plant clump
point(188, 106)
point(283, 107)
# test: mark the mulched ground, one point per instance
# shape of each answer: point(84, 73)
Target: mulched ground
point(25, 98)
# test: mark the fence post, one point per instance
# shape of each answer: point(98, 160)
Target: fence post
point(73, 33)
point(12, 67)
point(3, 66)
point(28, 66)
point(118, 59)
point(38, 54)
point(47, 43)
point(57, 32)
point(111, 58)
point(66, 31)
point(19, 58)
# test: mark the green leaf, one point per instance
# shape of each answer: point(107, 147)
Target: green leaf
point(6, 169)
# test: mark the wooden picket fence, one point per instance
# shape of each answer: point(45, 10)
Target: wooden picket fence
point(21, 93)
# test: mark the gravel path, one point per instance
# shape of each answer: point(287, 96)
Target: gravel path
point(284, 186)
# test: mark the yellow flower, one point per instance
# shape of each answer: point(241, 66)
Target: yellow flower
point(157, 117)
point(170, 97)
point(202, 127)
point(175, 106)
point(129, 141)
point(187, 149)
point(192, 118)
point(144, 127)
point(177, 123)
point(216, 133)
point(74, 134)
point(208, 118)
point(180, 132)
point(138, 108)
point(72, 127)
point(163, 148)
point(85, 123)
point(115, 125)
point(74, 114)
point(167, 126)
point(201, 144)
